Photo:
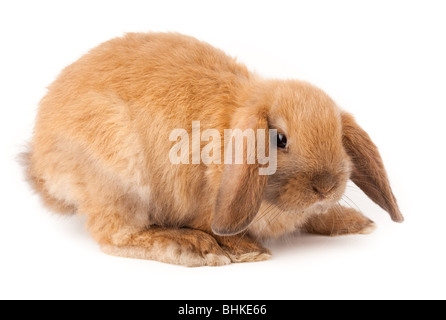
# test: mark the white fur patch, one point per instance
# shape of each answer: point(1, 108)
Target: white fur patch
point(369, 229)
point(61, 188)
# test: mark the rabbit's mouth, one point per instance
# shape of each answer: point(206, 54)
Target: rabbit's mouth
point(305, 202)
point(319, 207)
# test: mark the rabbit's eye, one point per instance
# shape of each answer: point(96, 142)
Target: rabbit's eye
point(281, 141)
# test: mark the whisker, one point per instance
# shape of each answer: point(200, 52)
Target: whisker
point(351, 201)
point(256, 219)
point(339, 207)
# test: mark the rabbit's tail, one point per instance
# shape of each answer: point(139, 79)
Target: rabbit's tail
point(38, 184)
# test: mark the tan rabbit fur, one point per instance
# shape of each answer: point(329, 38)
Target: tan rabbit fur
point(101, 149)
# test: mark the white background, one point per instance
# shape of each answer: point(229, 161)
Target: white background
point(384, 61)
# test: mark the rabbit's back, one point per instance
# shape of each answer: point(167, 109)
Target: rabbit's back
point(102, 130)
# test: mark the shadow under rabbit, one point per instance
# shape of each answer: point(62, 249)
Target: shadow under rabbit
point(301, 242)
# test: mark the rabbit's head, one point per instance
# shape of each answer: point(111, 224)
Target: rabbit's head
point(319, 147)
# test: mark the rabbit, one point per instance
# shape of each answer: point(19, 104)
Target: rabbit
point(100, 148)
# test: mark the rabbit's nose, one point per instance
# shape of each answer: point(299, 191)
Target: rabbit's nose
point(323, 183)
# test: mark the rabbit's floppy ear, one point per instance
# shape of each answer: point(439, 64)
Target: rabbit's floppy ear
point(241, 187)
point(368, 172)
